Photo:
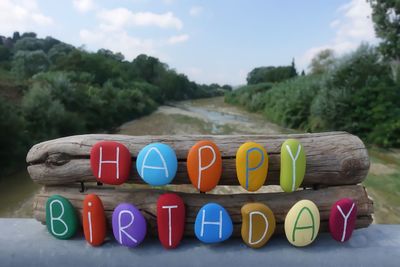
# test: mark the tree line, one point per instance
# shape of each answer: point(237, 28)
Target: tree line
point(50, 89)
point(358, 92)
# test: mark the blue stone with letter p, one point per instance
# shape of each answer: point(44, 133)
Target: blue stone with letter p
point(213, 224)
point(157, 164)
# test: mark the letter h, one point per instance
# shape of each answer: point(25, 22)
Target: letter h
point(219, 223)
point(101, 161)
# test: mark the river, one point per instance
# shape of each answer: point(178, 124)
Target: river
point(213, 116)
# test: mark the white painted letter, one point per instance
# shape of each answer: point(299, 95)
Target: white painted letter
point(90, 223)
point(101, 161)
point(52, 219)
point(164, 167)
point(293, 164)
point(121, 229)
point(219, 223)
point(251, 227)
point(201, 168)
point(169, 221)
point(345, 217)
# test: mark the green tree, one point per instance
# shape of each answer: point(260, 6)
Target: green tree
point(386, 18)
point(322, 62)
point(27, 63)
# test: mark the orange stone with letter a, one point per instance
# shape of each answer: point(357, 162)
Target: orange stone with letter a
point(204, 165)
point(94, 220)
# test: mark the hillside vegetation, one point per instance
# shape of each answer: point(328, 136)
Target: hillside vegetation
point(50, 89)
point(357, 93)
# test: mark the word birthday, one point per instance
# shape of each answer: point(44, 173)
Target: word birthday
point(157, 165)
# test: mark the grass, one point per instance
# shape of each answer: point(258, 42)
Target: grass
point(383, 184)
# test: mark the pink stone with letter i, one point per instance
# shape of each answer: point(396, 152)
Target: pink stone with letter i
point(342, 219)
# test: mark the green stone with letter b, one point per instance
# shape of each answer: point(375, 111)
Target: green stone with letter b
point(61, 218)
point(293, 165)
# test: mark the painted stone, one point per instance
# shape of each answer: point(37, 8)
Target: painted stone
point(213, 224)
point(94, 220)
point(293, 165)
point(110, 162)
point(61, 217)
point(129, 225)
point(204, 165)
point(302, 223)
point(251, 166)
point(258, 224)
point(170, 220)
point(157, 164)
point(342, 219)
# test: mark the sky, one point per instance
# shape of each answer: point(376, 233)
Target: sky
point(211, 41)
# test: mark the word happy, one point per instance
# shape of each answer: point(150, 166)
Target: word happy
point(157, 165)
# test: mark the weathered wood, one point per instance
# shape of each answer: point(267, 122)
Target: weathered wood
point(335, 158)
point(280, 203)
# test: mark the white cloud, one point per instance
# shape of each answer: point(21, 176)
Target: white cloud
point(195, 11)
point(118, 41)
point(352, 27)
point(121, 17)
point(22, 15)
point(178, 39)
point(84, 6)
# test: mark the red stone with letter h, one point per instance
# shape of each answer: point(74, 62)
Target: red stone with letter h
point(110, 162)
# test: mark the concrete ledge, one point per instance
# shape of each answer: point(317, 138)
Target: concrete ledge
point(25, 242)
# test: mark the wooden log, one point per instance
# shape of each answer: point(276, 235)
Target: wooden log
point(335, 158)
point(280, 203)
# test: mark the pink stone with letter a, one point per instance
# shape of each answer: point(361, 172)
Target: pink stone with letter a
point(110, 162)
point(342, 219)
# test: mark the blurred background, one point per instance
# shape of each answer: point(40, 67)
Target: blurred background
point(199, 67)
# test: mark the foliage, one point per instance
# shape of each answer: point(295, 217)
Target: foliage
point(386, 18)
point(27, 63)
point(68, 90)
point(12, 136)
point(322, 62)
point(249, 96)
point(271, 74)
point(356, 94)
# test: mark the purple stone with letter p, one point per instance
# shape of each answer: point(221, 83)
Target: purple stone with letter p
point(129, 225)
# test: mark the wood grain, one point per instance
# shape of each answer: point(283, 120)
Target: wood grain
point(146, 200)
point(334, 158)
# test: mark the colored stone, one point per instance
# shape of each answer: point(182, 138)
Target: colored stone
point(110, 162)
point(342, 219)
point(213, 224)
point(293, 165)
point(94, 220)
point(61, 217)
point(157, 164)
point(302, 223)
point(129, 225)
point(251, 166)
point(170, 219)
point(258, 224)
point(204, 165)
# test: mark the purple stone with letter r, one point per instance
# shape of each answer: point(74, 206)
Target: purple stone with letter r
point(129, 225)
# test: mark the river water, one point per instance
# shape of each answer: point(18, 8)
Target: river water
point(203, 116)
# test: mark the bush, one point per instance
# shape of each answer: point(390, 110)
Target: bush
point(249, 96)
point(13, 141)
point(356, 94)
point(47, 117)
